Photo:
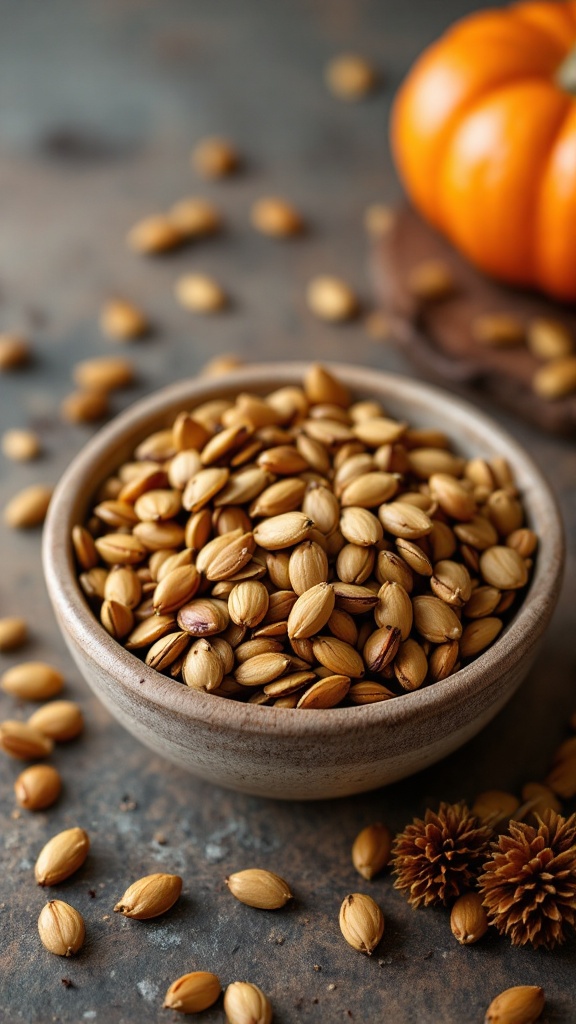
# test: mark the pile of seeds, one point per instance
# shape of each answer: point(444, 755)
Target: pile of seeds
point(304, 550)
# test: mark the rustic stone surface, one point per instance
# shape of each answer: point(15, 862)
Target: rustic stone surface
point(106, 103)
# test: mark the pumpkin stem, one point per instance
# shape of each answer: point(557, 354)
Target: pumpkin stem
point(566, 74)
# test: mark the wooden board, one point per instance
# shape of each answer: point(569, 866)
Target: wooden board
point(437, 336)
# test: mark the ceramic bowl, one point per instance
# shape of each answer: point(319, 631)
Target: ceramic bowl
point(277, 752)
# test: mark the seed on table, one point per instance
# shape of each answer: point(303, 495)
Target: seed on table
point(215, 157)
point(361, 922)
point(84, 407)
point(221, 365)
point(20, 740)
point(121, 320)
point(14, 351)
point(32, 680)
point(28, 507)
point(259, 888)
point(541, 798)
point(200, 293)
point(522, 1004)
point(495, 805)
point(431, 281)
point(13, 633)
point(276, 217)
point(556, 379)
point(468, 919)
point(193, 993)
point(332, 299)
point(195, 217)
point(498, 330)
point(38, 787)
point(549, 339)
point(371, 850)
point(60, 720)
point(20, 445)
point(150, 896)
point(61, 856)
point(106, 373)
point(61, 928)
point(154, 234)
point(245, 1003)
point(350, 77)
point(379, 219)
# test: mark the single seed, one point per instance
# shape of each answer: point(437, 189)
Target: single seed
point(245, 1003)
point(556, 379)
point(215, 157)
point(276, 217)
point(60, 720)
point(468, 919)
point(14, 351)
point(121, 321)
point(195, 217)
point(20, 445)
point(13, 633)
point(20, 740)
point(259, 888)
point(193, 993)
point(154, 234)
point(332, 299)
point(149, 897)
point(549, 339)
point(522, 1004)
point(62, 856)
point(38, 787)
point(61, 928)
point(361, 922)
point(350, 77)
point(105, 374)
point(498, 330)
point(200, 293)
point(28, 508)
point(431, 281)
point(371, 850)
point(32, 680)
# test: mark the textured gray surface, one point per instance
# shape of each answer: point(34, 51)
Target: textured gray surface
point(100, 103)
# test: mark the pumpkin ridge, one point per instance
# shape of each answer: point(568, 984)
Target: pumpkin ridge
point(540, 180)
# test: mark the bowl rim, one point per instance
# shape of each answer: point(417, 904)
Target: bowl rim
point(149, 686)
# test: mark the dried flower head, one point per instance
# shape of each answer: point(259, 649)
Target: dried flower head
point(529, 883)
point(438, 859)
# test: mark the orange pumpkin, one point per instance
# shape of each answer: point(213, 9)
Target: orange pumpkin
point(484, 137)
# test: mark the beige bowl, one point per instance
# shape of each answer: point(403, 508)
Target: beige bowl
point(277, 752)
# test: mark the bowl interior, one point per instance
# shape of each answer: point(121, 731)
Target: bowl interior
point(421, 405)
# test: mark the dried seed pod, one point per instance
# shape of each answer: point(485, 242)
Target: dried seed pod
point(61, 928)
point(522, 1004)
point(32, 680)
point(259, 888)
point(193, 993)
point(28, 508)
point(371, 850)
point(60, 720)
point(392, 568)
point(416, 558)
point(361, 922)
point(61, 856)
point(245, 1003)
point(149, 897)
point(468, 919)
point(38, 787)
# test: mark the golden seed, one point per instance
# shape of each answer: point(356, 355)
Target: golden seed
point(556, 378)
point(20, 445)
point(20, 740)
point(200, 293)
point(431, 281)
point(150, 630)
point(549, 339)
point(38, 787)
point(32, 680)
point(28, 508)
point(248, 603)
point(541, 798)
point(435, 620)
point(478, 635)
point(123, 586)
point(311, 611)
point(60, 720)
point(259, 888)
point(442, 660)
point(371, 850)
point(61, 928)
point(14, 351)
point(154, 234)
point(361, 922)
point(379, 430)
point(193, 993)
point(498, 330)
point(107, 373)
point(331, 298)
point(410, 665)
point(402, 520)
point(203, 616)
point(165, 651)
point(451, 583)
point(262, 669)
point(503, 567)
point(149, 897)
point(215, 157)
point(245, 1003)
point(195, 217)
point(379, 219)
point(120, 548)
point(202, 487)
point(175, 589)
point(495, 805)
point(369, 692)
point(325, 693)
point(276, 217)
point(468, 919)
point(338, 656)
point(117, 619)
point(62, 855)
point(121, 320)
point(522, 1004)
point(202, 668)
point(13, 633)
point(350, 77)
